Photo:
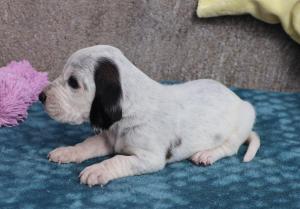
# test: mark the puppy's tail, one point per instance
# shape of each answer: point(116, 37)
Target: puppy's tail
point(254, 144)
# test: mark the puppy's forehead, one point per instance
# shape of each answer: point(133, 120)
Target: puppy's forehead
point(78, 65)
point(84, 60)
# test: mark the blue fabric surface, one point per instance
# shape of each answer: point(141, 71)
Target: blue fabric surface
point(271, 180)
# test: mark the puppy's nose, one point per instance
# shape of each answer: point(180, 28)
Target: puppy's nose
point(42, 97)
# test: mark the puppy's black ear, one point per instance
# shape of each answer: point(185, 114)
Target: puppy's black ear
point(106, 109)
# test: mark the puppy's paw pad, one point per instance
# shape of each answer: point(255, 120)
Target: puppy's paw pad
point(64, 155)
point(94, 175)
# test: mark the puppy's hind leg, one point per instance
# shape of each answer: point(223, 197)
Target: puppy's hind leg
point(209, 156)
point(238, 137)
point(94, 146)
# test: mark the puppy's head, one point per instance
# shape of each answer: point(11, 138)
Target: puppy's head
point(88, 89)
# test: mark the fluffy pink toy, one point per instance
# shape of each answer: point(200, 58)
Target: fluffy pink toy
point(20, 85)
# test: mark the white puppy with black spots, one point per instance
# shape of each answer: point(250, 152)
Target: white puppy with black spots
point(144, 123)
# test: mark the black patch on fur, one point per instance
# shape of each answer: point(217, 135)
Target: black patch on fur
point(105, 109)
point(172, 146)
point(177, 143)
point(217, 138)
point(169, 153)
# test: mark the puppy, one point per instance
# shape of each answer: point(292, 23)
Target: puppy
point(145, 124)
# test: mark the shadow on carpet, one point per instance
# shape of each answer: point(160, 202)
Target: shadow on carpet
point(271, 180)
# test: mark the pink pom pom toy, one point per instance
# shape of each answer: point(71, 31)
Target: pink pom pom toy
point(20, 85)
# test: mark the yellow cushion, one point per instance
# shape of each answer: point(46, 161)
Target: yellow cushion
point(286, 12)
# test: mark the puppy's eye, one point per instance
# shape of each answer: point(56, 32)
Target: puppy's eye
point(73, 82)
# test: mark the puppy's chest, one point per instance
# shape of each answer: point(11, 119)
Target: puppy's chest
point(120, 145)
point(132, 143)
point(125, 141)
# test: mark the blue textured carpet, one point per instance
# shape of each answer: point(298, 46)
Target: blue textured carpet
point(271, 180)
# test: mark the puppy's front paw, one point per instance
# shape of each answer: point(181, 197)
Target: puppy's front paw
point(64, 155)
point(94, 175)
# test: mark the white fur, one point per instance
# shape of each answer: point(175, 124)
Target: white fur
point(201, 120)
